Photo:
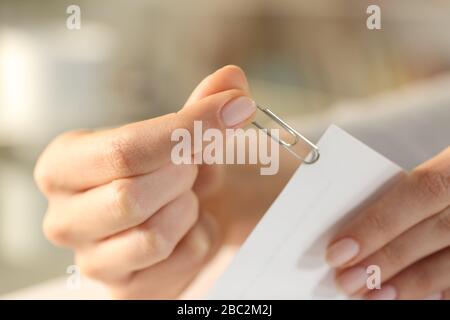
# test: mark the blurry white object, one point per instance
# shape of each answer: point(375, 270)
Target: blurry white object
point(21, 240)
point(52, 80)
point(20, 84)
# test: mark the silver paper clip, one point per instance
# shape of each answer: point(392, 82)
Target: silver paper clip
point(312, 156)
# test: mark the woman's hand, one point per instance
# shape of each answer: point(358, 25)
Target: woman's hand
point(406, 233)
point(132, 217)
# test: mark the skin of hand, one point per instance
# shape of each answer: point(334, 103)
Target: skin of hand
point(406, 233)
point(138, 223)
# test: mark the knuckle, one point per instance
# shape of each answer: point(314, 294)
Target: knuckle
point(55, 231)
point(42, 176)
point(197, 255)
point(190, 204)
point(43, 172)
point(119, 152)
point(122, 201)
point(444, 220)
point(155, 245)
point(197, 249)
point(432, 183)
point(377, 222)
point(155, 242)
point(393, 256)
point(193, 171)
point(88, 269)
point(423, 279)
point(187, 173)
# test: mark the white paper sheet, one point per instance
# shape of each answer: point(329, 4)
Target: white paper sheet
point(283, 258)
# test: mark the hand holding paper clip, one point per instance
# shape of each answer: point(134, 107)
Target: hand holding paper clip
point(131, 216)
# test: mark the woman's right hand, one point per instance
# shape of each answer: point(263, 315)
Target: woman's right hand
point(127, 211)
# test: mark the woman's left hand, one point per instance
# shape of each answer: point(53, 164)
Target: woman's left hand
point(406, 233)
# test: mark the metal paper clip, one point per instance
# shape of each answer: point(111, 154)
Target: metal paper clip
point(312, 156)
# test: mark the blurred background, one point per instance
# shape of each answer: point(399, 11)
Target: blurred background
point(137, 59)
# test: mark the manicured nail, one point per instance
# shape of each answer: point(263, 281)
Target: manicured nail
point(237, 110)
point(436, 296)
point(341, 252)
point(386, 292)
point(352, 280)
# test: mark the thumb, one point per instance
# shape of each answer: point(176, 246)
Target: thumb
point(226, 78)
point(226, 109)
point(208, 98)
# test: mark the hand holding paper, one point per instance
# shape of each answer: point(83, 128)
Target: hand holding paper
point(284, 256)
point(405, 233)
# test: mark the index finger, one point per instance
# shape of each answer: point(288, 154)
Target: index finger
point(419, 195)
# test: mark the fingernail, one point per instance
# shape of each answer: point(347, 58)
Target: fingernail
point(387, 292)
point(435, 296)
point(341, 252)
point(237, 110)
point(351, 280)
